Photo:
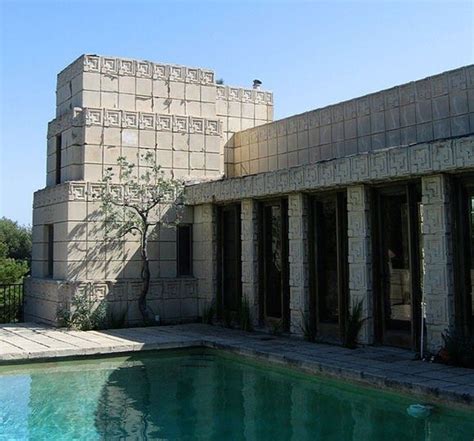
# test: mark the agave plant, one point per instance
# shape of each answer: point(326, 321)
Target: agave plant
point(354, 325)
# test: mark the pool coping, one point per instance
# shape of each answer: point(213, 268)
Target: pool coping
point(427, 380)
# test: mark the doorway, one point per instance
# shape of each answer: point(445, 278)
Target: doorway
point(464, 253)
point(274, 280)
point(329, 265)
point(398, 265)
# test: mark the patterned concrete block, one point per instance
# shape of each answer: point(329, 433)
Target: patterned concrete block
point(360, 257)
point(438, 280)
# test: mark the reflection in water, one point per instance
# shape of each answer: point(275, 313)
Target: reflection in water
point(201, 396)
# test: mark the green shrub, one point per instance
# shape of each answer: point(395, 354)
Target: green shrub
point(458, 349)
point(354, 325)
point(12, 271)
point(84, 314)
point(15, 240)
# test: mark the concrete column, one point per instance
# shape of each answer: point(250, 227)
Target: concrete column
point(360, 257)
point(298, 259)
point(438, 280)
point(249, 218)
point(205, 254)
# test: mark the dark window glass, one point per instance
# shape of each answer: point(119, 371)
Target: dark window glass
point(58, 159)
point(273, 260)
point(50, 250)
point(328, 262)
point(184, 250)
point(231, 258)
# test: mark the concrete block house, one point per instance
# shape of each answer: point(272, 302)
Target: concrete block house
point(370, 200)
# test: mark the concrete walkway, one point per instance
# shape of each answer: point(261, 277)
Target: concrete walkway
point(377, 366)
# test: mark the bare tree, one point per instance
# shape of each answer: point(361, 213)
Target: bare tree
point(144, 201)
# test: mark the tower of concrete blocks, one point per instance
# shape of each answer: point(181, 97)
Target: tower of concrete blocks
point(106, 108)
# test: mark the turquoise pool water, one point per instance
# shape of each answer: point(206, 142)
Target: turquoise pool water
point(201, 395)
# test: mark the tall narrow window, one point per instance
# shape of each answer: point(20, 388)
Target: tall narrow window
point(58, 158)
point(50, 250)
point(184, 250)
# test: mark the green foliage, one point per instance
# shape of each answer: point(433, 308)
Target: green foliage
point(208, 314)
point(11, 306)
point(12, 271)
point(15, 251)
point(84, 314)
point(458, 349)
point(276, 327)
point(146, 200)
point(15, 240)
point(245, 316)
point(307, 327)
point(354, 325)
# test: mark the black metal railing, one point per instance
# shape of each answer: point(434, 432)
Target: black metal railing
point(11, 303)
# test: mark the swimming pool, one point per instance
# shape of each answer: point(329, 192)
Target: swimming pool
point(204, 395)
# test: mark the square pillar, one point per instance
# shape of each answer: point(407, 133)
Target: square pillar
point(360, 257)
point(205, 254)
point(438, 279)
point(249, 236)
point(298, 260)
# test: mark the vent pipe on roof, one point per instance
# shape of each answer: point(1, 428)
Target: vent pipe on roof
point(257, 84)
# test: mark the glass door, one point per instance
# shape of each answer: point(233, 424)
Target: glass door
point(399, 266)
point(274, 262)
point(329, 264)
point(464, 244)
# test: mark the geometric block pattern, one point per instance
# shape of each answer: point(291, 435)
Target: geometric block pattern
point(438, 279)
point(205, 255)
point(172, 299)
point(450, 155)
point(299, 263)
point(360, 257)
point(436, 107)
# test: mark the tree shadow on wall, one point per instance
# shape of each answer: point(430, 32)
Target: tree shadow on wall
point(111, 268)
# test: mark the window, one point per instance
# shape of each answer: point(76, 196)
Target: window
point(185, 252)
point(50, 250)
point(58, 158)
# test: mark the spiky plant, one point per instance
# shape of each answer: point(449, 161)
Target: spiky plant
point(354, 324)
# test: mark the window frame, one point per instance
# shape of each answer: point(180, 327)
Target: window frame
point(179, 272)
point(49, 267)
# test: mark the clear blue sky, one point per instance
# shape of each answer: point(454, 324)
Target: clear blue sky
point(309, 53)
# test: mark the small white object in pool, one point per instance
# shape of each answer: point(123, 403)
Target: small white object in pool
point(419, 410)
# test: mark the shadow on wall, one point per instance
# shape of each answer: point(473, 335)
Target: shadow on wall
point(93, 265)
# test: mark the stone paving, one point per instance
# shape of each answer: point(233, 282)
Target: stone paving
point(381, 367)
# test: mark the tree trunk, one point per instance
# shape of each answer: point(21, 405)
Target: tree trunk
point(145, 311)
